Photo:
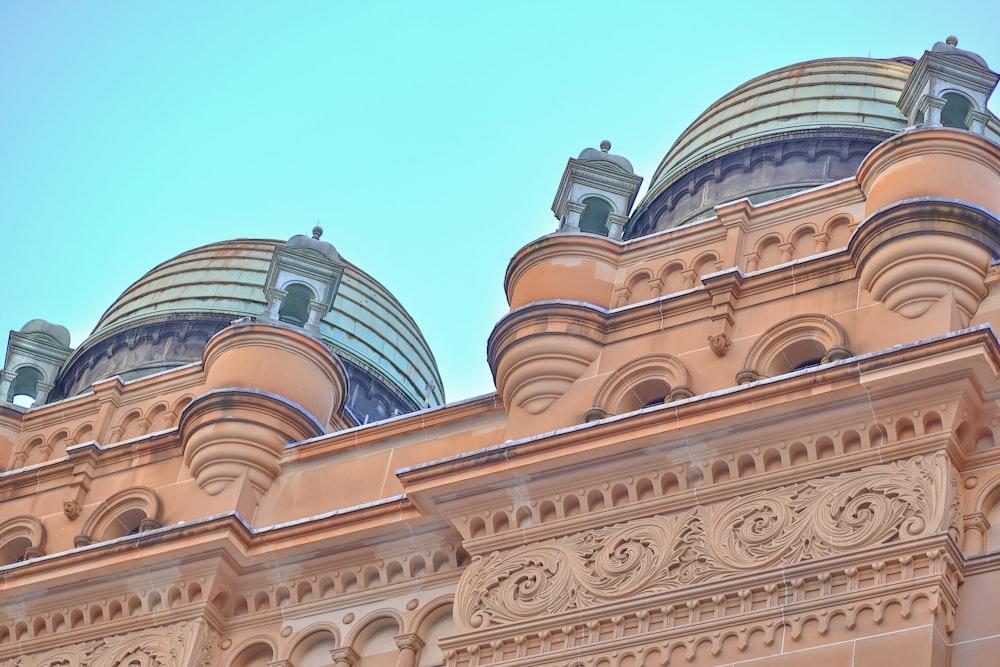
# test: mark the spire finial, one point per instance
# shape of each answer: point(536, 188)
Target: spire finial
point(317, 231)
point(605, 146)
point(951, 40)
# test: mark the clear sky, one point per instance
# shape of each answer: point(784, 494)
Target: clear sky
point(428, 138)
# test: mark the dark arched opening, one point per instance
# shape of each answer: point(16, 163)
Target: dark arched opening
point(956, 110)
point(24, 389)
point(295, 305)
point(595, 216)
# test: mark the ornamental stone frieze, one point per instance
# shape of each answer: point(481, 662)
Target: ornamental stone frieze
point(894, 587)
point(185, 644)
point(893, 502)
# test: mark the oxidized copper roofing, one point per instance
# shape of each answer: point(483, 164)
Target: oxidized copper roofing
point(832, 92)
point(367, 324)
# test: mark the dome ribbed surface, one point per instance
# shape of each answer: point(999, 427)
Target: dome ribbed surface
point(834, 92)
point(367, 324)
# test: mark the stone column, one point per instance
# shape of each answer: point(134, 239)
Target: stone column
point(409, 648)
point(6, 380)
point(976, 529)
point(616, 225)
point(345, 656)
point(932, 111)
point(572, 221)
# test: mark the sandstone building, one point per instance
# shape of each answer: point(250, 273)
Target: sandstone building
point(752, 419)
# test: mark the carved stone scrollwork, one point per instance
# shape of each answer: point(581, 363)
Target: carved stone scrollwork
point(185, 644)
point(897, 501)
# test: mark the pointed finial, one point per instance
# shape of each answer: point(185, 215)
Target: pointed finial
point(951, 40)
point(605, 146)
point(317, 232)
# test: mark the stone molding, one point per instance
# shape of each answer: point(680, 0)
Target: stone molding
point(898, 501)
point(230, 432)
point(231, 600)
point(756, 462)
point(948, 250)
point(538, 351)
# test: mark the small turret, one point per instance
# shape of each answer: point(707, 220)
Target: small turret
point(949, 87)
point(303, 280)
point(34, 356)
point(596, 193)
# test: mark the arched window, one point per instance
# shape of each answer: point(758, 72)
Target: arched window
point(256, 655)
point(24, 389)
point(955, 110)
point(595, 216)
point(13, 550)
point(17, 536)
point(642, 383)
point(796, 356)
point(314, 649)
point(295, 305)
point(798, 342)
point(127, 512)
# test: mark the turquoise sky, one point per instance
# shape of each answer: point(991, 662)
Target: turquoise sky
point(427, 138)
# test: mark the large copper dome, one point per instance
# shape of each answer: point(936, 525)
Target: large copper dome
point(164, 319)
point(790, 129)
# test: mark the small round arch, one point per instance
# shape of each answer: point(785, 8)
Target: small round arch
point(435, 622)
point(987, 502)
point(836, 222)
point(257, 651)
point(26, 385)
point(295, 305)
point(705, 263)
point(645, 381)
point(956, 110)
point(129, 511)
point(312, 645)
point(376, 633)
point(637, 279)
point(596, 213)
point(798, 342)
point(21, 537)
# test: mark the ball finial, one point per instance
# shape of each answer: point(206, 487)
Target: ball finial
point(605, 146)
point(317, 232)
point(951, 40)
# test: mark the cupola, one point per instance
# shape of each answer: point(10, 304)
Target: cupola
point(596, 193)
point(302, 281)
point(949, 87)
point(34, 356)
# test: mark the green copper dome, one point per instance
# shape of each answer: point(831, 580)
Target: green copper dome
point(182, 301)
point(837, 106)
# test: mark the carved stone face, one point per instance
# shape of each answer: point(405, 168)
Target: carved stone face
point(72, 509)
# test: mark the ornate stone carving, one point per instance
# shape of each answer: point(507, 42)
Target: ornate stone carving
point(719, 344)
point(72, 509)
point(185, 644)
point(897, 501)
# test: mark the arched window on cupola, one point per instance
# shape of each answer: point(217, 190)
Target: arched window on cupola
point(295, 305)
point(24, 389)
point(594, 219)
point(956, 110)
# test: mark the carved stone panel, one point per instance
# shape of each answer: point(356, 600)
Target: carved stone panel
point(185, 644)
point(894, 502)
